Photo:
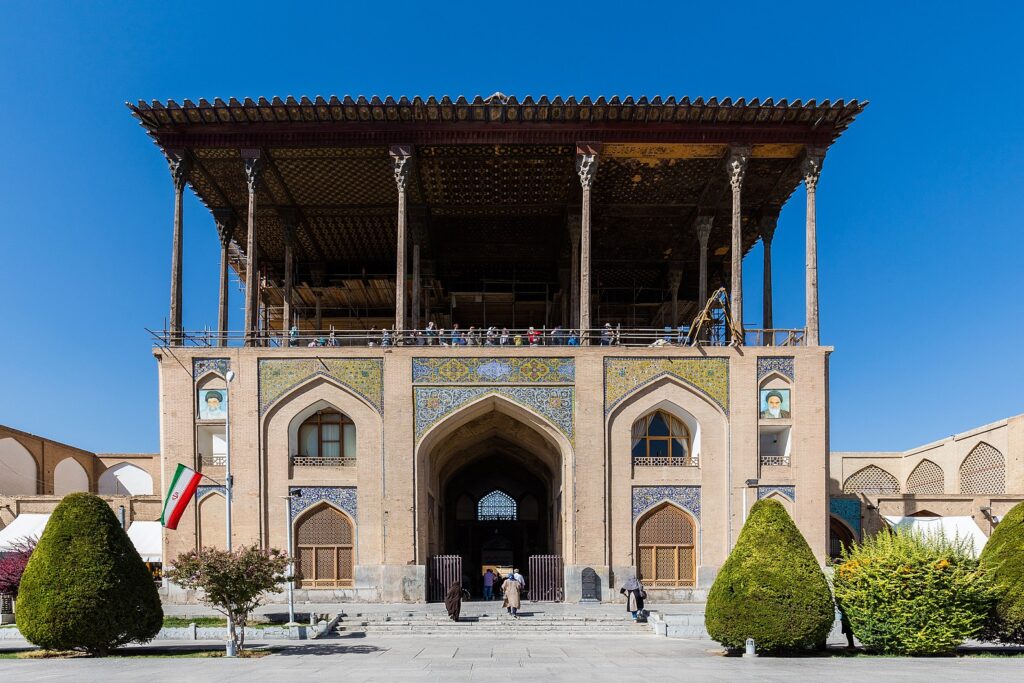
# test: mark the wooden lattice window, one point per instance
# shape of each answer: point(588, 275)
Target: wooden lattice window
point(927, 477)
point(660, 438)
point(327, 434)
point(871, 479)
point(983, 471)
point(497, 505)
point(323, 539)
point(666, 552)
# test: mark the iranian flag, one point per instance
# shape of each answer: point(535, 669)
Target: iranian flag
point(183, 487)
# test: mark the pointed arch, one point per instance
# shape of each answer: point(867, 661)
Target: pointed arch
point(871, 480)
point(19, 474)
point(983, 471)
point(662, 437)
point(927, 477)
point(69, 477)
point(125, 479)
point(840, 537)
point(324, 547)
point(656, 383)
point(666, 547)
point(211, 510)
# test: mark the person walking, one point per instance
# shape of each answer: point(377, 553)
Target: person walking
point(488, 585)
point(511, 588)
point(635, 596)
point(453, 600)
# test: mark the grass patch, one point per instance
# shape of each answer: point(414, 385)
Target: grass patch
point(201, 622)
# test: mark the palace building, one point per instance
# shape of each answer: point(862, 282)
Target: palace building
point(611, 438)
point(510, 333)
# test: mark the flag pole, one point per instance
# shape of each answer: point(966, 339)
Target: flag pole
point(229, 376)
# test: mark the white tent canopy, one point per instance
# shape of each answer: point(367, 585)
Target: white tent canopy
point(25, 526)
point(147, 537)
point(963, 528)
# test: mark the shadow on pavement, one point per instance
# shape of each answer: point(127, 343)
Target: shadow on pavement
point(329, 649)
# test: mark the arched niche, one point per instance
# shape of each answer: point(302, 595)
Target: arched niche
point(212, 529)
point(69, 477)
point(19, 474)
point(840, 537)
point(125, 479)
point(927, 477)
point(325, 547)
point(871, 480)
point(347, 430)
point(983, 471)
point(667, 547)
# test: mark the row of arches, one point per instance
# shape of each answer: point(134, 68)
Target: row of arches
point(982, 472)
point(19, 475)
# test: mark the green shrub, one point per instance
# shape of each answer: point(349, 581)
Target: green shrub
point(771, 587)
point(85, 586)
point(1003, 558)
point(907, 594)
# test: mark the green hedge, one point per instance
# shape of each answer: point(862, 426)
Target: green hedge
point(771, 587)
point(1003, 558)
point(906, 594)
point(85, 586)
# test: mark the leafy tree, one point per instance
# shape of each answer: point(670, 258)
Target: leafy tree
point(908, 594)
point(770, 588)
point(1003, 558)
point(85, 586)
point(12, 565)
point(233, 583)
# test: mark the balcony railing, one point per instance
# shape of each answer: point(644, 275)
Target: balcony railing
point(510, 339)
point(212, 460)
point(317, 461)
point(645, 461)
point(775, 461)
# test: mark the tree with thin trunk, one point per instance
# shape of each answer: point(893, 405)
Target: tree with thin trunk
point(233, 583)
point(12, 565)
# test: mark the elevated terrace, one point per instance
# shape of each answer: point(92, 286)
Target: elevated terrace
point(359, 214)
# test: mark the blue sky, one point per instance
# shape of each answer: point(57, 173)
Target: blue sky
point(920, 219)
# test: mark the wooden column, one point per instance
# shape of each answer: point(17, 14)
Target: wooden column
point(586, 167)
point(288, 218)
point(253, 165)
point(401, 155)
point(319, 312)
point(180, 163)
point(736, 167)
point(811, 168)
point(704, 224)
point(225, 220)
point(416, 298)
point(675, 276)
point(574, 268)
point(768, 220)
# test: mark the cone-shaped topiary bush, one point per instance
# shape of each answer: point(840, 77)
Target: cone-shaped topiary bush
point(770, 588)
point(85, 586)
point(910, 594)
point(1003, 559)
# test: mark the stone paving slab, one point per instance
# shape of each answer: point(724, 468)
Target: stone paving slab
point(399, 658)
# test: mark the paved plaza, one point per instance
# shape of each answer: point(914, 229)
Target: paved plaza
point(518, 657)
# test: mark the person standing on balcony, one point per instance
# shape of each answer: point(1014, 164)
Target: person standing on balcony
point(293, 335)
point(606, 335)
point(503, 340)
point(532, 336)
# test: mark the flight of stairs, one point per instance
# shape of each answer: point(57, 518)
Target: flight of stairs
point(489, 619)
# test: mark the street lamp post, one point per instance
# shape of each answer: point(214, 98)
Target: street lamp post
point(230, 376)
point(291, 557)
